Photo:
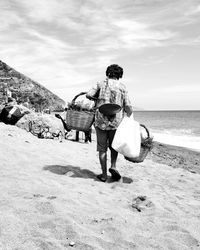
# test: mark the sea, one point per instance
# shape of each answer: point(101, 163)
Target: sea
point(179, 128)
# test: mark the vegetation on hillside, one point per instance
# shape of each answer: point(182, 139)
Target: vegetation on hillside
point(26, 91)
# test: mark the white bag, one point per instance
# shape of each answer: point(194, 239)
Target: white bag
point(127, 139)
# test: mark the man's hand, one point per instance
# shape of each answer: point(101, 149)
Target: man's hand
point(128, 110)
point(58, 116)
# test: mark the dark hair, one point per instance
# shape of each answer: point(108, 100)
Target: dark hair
point(114, 71)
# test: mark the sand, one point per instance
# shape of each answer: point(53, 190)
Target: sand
point(50, 198)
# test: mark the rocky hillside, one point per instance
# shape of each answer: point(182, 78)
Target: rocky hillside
point(26, 91)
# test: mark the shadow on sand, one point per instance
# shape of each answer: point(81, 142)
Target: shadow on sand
point(77, 172)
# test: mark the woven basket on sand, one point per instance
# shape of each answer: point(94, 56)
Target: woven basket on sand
point(81, 120)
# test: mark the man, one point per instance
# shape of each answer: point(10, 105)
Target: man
point(12, 112)
point(111, 94)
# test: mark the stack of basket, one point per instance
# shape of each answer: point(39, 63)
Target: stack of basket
point(78, 118)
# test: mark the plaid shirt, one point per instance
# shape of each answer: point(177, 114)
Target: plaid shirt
point(110, 91)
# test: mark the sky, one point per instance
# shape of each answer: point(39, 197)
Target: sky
point(66, 45)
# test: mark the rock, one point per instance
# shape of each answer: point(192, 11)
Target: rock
point(38, 121)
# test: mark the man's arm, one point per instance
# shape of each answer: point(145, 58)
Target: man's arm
point(63, 122)
point(128, 108)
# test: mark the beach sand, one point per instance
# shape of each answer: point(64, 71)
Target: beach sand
point(50, 197)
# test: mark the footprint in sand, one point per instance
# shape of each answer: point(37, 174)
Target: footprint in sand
point(141, 203)
point(60, 228)
point(38, 195)
point(175, 228)
point(113, 239)
point(197, 195)
point(51, 197)
point(45, 208)
point(44, 244)
point(34, 196)
point(184, 239)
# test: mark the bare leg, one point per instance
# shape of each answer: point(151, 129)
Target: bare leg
point(88, 135)
point(77, 135)
point(103, 162)
point(115, 174)
point(114, 155)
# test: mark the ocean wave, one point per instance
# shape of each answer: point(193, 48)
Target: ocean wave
point(192, 142)
point(180, 132)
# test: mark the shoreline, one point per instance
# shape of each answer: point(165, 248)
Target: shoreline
point(183, 141)
point(175, 156)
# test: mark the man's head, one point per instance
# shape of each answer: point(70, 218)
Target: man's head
point(114, 71)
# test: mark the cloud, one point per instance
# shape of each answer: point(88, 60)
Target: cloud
point(178, 89)
point(137, 35)
point(153, 59)
point(193, 41)
point(45, 10)
point(8, 17)
point(193, 10)
point(67, 44)
point(50, 41)
point(96, 27)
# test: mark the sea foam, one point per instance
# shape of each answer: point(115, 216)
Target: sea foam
point(191, 142)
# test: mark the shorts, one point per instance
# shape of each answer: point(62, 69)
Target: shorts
point(104, 139)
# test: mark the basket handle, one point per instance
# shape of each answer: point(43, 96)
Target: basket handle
point(74, 99)
point(148, 134)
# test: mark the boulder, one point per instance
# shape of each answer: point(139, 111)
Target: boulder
point(38, 121)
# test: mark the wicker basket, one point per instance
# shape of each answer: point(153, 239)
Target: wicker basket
point(146, 146)
point(80, 120)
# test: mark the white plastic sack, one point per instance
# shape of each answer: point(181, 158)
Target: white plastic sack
point(127, 139)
